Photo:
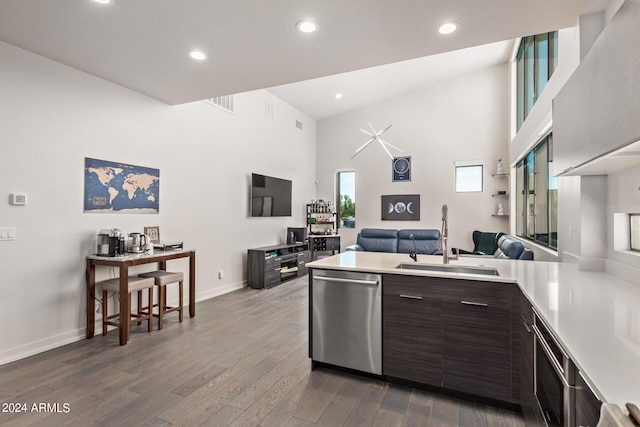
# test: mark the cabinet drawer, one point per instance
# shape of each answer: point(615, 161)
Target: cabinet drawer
point(476, 292)
point(333, 243)
point(395, 284)
point(271, 263)
point(304, 256)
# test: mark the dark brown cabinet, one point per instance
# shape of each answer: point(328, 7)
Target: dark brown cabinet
point(271, 265)
point(470, 336)
point(451, 333)
point(412, 334)
point(587, 404)
point(477, 339)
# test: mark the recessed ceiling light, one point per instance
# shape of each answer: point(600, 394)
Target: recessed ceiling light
point(103, 1)
point(196, 54)
point(448, 28)
point(338, 95)
point(307, 26)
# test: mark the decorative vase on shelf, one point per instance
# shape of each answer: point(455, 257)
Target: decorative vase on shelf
point(499, 170)
point(500, 209)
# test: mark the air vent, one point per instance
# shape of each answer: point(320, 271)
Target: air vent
point(223, 102)
point(269, 110)
point(299, 124)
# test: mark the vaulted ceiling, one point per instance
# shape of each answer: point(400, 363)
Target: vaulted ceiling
point(254, 44)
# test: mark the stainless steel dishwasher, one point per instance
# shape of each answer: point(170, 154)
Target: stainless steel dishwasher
point(347, 319)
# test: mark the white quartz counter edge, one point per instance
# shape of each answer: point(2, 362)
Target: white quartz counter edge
point(595, 316)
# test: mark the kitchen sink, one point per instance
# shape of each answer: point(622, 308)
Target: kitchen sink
point(464, 269)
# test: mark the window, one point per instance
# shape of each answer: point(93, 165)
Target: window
point(346, 191)
point(634, 227)
point(536, 60)
point(468, 177)
point(537, 196)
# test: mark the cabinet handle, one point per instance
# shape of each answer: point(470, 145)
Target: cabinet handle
point(526, 324)
point(477, 304)
point(410, 297)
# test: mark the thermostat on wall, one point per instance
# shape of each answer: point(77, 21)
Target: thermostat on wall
point(18, 199)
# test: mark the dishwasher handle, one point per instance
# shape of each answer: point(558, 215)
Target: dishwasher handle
point(343, 280)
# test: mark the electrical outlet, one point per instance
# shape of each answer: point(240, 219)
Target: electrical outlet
point(7, 233)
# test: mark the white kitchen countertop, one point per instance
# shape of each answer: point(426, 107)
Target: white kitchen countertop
point(595, 315)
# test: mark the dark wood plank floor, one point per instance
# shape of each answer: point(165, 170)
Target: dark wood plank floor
point(242, 361)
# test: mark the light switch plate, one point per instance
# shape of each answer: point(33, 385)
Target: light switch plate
point(7, 233)
point(18, 199)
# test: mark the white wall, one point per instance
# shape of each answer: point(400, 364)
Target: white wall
point(53, 116)
point(463, 118)
point(623, 193)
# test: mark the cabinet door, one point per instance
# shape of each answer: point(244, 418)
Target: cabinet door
point(333, 243)
point(412, 330)
point(477, 340)
point(587, 404)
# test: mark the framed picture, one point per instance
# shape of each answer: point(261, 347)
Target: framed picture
point(153, 233)
point(401, 168)
point(401, 207)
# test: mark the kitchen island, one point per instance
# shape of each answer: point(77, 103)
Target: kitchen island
point(595, 316)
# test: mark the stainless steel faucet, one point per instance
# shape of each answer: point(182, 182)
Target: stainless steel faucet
point(413, 255)
point(444, 237)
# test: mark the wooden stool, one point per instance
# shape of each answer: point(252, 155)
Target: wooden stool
point(162, 279)
point(135, 284)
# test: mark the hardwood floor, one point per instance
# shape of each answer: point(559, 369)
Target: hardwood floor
point(242, 361)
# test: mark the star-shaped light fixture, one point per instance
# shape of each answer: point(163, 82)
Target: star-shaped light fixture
point(375, 136)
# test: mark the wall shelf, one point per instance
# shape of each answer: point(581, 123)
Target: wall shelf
point(501, 194)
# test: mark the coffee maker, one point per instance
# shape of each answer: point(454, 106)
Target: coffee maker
point(110, 242)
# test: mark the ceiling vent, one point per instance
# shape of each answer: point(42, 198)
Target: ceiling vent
point(299, 124)
point(223, 102)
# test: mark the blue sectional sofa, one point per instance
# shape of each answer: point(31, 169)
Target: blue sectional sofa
point(426, 241)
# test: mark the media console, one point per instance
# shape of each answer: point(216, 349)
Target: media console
point(269, 266)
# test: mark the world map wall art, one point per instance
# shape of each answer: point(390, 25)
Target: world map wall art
point(112, 187)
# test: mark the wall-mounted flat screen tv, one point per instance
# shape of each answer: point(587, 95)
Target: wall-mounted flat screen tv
point(270, 196)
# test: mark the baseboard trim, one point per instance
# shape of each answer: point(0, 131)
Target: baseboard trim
point(40, 346)
point(50, 343)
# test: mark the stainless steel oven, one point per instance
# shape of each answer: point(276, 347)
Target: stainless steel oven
point(554, 378)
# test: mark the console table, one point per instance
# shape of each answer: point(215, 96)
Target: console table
point(123, 263)
point(271, 265)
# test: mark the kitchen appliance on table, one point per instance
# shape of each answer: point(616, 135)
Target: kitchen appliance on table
point(137, 243)
point(110, 242)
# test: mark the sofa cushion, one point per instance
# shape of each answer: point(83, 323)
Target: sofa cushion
point(378, 240)
point(509, 248)
point(427, 241)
